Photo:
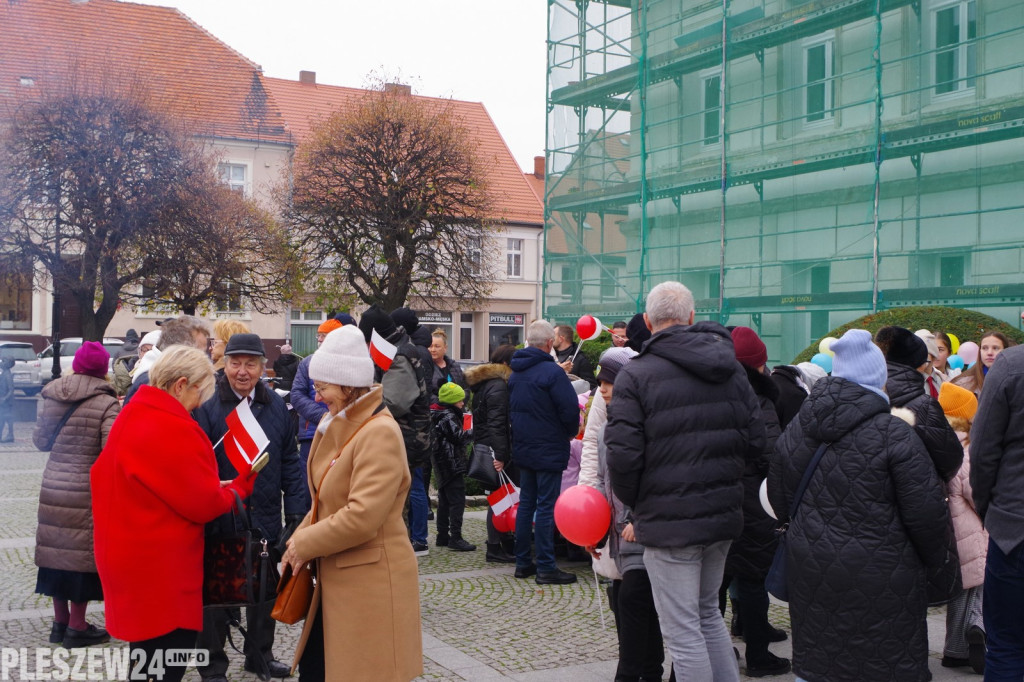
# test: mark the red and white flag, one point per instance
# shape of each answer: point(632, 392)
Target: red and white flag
point(503, 498)
point(382, 352)
point(245, 439)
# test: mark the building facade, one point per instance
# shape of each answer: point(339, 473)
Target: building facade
point(796, 164)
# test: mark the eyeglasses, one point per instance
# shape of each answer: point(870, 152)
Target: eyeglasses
point(320, 387)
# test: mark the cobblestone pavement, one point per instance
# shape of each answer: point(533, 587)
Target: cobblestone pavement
point(479, 622)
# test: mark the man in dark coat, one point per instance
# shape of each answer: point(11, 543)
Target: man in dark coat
point(997, 477)
point(407, 397)
point(791, 393)
point(281, 477)
point(573, 362)
point(870, 531)
point(904, 354)
point(545, 415)
point(681, 429)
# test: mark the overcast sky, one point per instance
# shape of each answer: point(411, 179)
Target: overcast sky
point(474, 50)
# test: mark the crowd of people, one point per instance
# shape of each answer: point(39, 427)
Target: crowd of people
point(895, 478)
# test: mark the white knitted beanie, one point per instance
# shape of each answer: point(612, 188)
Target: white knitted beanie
point(343, 359)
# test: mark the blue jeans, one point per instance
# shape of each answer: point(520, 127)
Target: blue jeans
point(1002, 606)
point(685, 582)
point(418, 508)
point(537, 494)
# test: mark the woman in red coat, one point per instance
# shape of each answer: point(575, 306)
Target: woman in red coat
point(154, 487)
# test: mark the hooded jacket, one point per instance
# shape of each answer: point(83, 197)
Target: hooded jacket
point(489, 384)
point(450, 443)
point(64, 534)
point(407, 395)
point(286, 365)
point(303, 400)
point(544, 411)
point(681, 429)
point(905, 389)
point(870, 531)
point(791, 393)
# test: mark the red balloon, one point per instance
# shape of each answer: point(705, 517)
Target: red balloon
point(505, 522)
point(582, 515)
point(586, 326)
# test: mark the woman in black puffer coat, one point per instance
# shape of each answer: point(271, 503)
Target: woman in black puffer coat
point(489, 384)
point(904, 353)
point(869, 533)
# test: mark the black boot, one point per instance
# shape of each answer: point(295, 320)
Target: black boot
point(497, 555)
point(736, 627)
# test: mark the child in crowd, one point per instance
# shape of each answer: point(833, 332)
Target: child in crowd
point(641, 649)
point(450, 465)
point(965, 631)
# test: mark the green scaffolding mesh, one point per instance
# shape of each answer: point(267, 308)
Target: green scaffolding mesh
point(795, 164)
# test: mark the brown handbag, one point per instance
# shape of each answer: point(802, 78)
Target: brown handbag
point(295, 590)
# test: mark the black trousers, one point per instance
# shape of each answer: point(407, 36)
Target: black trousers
point(312, 667)
point(751, 605)
point(259, 641)
point(641, 649)
point(175, 639)
point(451, 506)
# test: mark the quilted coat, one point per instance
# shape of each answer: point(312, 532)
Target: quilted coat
point(368, 580)
point(544, 410)
point(489, 383)
point(905, 389)
point(282, 477)
point(971, 537)
point(450, 443)
point(303, 400)
point(751, 554)
point(64, 534)
point(681, 428)
point(871, 527)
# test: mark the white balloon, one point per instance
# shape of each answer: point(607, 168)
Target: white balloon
point(763, 494)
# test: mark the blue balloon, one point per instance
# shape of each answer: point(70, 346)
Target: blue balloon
point(955, 362)
point(823, 360)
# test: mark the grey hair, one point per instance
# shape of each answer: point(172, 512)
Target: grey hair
point(539, 333)
point(669, 303)
point(178, 332)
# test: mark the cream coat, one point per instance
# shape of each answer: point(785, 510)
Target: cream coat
point(368, 584)
point(971, 537)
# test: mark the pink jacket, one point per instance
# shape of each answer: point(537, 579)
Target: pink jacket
point(971, 537)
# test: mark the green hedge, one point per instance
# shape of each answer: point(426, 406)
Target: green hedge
point(967, 325)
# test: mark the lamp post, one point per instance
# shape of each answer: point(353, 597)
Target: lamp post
point(55, 372)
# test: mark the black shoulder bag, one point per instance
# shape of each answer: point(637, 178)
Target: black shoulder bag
point(61, 423)
point(777, 581)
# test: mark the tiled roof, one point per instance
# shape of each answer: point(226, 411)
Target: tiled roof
point(303, 104)
point(118, 44)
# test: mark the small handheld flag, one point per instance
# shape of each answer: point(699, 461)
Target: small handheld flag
point(245, 439)
point(382, 352)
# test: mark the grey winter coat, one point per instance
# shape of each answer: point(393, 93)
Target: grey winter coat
point(870, 532)
point(64, 533)
point(629, 556)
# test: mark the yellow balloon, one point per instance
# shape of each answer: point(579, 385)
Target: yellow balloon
point(954, 344)
point(825, 345)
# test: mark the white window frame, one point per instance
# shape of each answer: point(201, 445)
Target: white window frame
point(475, 252)
point(964, 81)
point(828, 113)
point(705, 76)
point(514, 258)
point(245, 186)
point(242, 308)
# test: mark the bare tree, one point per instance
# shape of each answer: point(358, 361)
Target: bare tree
point(388, 200)
point(83, 176)
point(214, 251)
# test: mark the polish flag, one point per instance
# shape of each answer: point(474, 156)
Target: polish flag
point(245, 439)
point(503, 498)
point(382, 352)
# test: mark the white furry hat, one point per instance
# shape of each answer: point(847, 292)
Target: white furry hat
point(343, 359)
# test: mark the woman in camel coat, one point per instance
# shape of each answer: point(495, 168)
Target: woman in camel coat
point(364, 622)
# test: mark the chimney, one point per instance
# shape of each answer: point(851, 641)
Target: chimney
point(538, 167)
point(307, 77)
point(398, 88)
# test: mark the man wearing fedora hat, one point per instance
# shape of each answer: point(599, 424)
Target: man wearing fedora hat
point(282, 477)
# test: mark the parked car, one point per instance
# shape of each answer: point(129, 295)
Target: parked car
point(67, 354)
point(26, 365)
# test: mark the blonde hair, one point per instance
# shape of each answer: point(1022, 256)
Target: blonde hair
point(183, 361)
point(225, 329)
point(442, 333)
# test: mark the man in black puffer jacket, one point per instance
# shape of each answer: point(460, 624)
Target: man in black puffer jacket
point(904, 354)
point(681, 429)
point(283, 476)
